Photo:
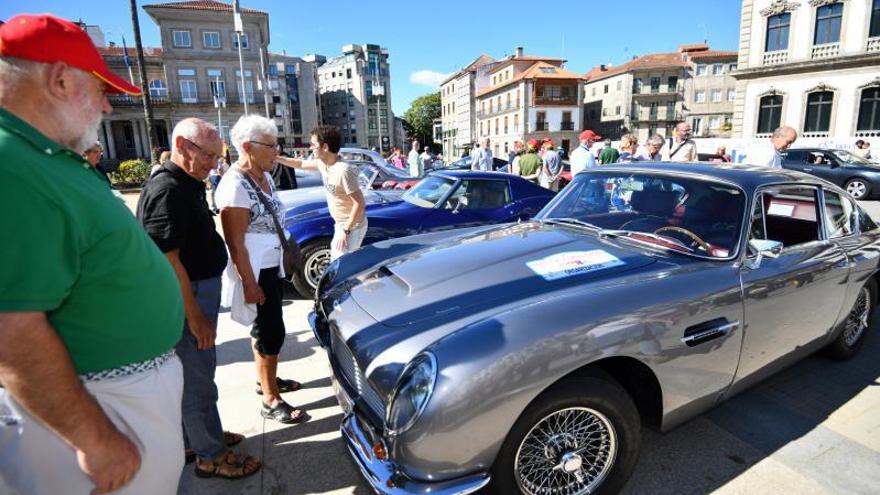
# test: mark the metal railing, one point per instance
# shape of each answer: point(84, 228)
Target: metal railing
point(567, 126)
point(661, 91)
point(542, 126)
point(200, 98)
point(498, 110)
point(873, 44)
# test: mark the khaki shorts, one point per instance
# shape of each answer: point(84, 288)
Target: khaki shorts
point(144, 406)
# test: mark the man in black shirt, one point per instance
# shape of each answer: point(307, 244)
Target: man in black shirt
point(174, 211)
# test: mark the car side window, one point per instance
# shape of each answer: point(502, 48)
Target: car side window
point(787, 214)
point(839, 215)
point(479, 194)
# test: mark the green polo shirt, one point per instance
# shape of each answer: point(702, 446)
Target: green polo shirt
point(72, 250)
point(529, 163)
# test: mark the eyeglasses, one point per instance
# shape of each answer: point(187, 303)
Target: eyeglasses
point(274, 146)
point(211, 156)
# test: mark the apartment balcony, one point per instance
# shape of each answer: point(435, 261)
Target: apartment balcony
point(827, 50)
point(776, 57)
point(135, 101)
point(509, 107)
point(207, 98)
point(873, 44)
point(556, 100)
point(656, 117)
point(661, 91)
point(542, 126)
point(567, 126)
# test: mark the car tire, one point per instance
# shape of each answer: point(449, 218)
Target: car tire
point(858, 188)
point(596, 403)
point(852, 337)
point(315, 256)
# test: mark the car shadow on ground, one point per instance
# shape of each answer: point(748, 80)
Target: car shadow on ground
point(782, 417)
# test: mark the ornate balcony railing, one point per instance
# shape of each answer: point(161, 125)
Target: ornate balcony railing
point(776, 57)
point(825, 51)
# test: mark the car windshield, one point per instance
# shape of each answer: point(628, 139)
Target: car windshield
point(429, 191)
point(851, 158)
point(692, 216)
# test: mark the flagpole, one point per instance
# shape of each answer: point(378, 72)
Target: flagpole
point(127, 62)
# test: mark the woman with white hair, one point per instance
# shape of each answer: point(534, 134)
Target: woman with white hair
point(252, 284)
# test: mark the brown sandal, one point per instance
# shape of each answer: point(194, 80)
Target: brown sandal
point(230, 466)
point(229, 438)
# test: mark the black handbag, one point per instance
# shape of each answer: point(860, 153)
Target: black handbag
point(292, 257)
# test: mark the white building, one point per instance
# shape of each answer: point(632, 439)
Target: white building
point(457, 106)
point(525, 97)
point(813, 65)
point(355, 91)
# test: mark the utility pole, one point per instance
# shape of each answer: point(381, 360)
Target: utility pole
point(265, 76)
point(148, 106)
point(239, 29)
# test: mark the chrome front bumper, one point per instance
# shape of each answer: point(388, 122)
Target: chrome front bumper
point(384, 476)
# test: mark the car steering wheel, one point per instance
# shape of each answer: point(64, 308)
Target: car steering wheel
point(700, 242)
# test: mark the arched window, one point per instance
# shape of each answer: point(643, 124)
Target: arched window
point(818, 111)
point(769, 113)
point(869, 110)
point(158, 88)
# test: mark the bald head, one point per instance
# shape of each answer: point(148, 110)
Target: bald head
point(784, 137)
point(196, 147)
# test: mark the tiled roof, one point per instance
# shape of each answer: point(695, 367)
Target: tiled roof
point(116, 51)
point(712, 54)
point(479, 62)
point(205, 5)
point(539, 70)
point(652, 61)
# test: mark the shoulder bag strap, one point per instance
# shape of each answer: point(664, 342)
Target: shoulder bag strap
point(269, 206)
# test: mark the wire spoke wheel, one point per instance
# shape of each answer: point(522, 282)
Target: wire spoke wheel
point(857, 321)
point(568, 452)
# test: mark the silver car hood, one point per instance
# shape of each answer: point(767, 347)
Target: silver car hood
point(471, 273)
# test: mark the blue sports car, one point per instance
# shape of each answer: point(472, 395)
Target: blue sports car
point(441, 201)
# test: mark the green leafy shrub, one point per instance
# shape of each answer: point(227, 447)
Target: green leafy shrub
point(131, 173)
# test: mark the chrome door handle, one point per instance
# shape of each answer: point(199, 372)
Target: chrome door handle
point(808, 170)
point(704, 335)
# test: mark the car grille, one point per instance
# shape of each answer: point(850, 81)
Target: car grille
point(353, 375)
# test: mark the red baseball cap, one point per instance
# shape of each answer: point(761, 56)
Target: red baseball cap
point(533, 143)
point(49, 39)
point(589, 135)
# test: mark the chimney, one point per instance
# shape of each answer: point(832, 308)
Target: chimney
point(603, 67)
point(519, 52)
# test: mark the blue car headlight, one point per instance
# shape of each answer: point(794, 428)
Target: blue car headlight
point(412, 394)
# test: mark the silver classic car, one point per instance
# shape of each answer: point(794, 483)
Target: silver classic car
point(525, 358)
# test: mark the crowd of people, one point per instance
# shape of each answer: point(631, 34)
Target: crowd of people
point(99, 391)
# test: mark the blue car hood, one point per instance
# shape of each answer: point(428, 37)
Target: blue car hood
point(487, 269)
point(300, 201)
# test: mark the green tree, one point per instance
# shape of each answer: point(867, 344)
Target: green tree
point(420, 117)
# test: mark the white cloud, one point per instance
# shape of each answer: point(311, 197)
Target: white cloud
point(427, 78)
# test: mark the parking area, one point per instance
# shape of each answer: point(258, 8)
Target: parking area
point(812, 429)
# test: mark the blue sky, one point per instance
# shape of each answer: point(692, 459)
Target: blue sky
point(429, 39)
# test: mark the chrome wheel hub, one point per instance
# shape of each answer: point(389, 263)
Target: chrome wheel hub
point(856, 188)
point(857, 321)
point(570, 451)
point(315, 265)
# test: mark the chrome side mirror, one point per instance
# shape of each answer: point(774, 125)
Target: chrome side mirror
point(770, 249)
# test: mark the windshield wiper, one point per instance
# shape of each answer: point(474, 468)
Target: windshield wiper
point(575, 221)
point(665, 242)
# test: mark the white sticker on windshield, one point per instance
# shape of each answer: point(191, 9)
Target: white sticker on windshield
point(780, 210)
point(562, 265)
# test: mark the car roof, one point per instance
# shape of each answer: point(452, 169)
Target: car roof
point(748, 177)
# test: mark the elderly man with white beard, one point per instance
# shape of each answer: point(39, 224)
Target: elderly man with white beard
point(90, 309)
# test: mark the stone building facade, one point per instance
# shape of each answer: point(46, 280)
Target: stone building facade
point(811, 64)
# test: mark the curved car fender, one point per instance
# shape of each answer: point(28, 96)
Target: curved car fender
point(492, 369)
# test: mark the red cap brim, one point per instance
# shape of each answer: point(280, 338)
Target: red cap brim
point(117, 85)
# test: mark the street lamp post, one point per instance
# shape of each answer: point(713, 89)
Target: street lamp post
point(239, 29)
point(219, 104)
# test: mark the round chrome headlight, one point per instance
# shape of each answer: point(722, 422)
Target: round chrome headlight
point(412, 394)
